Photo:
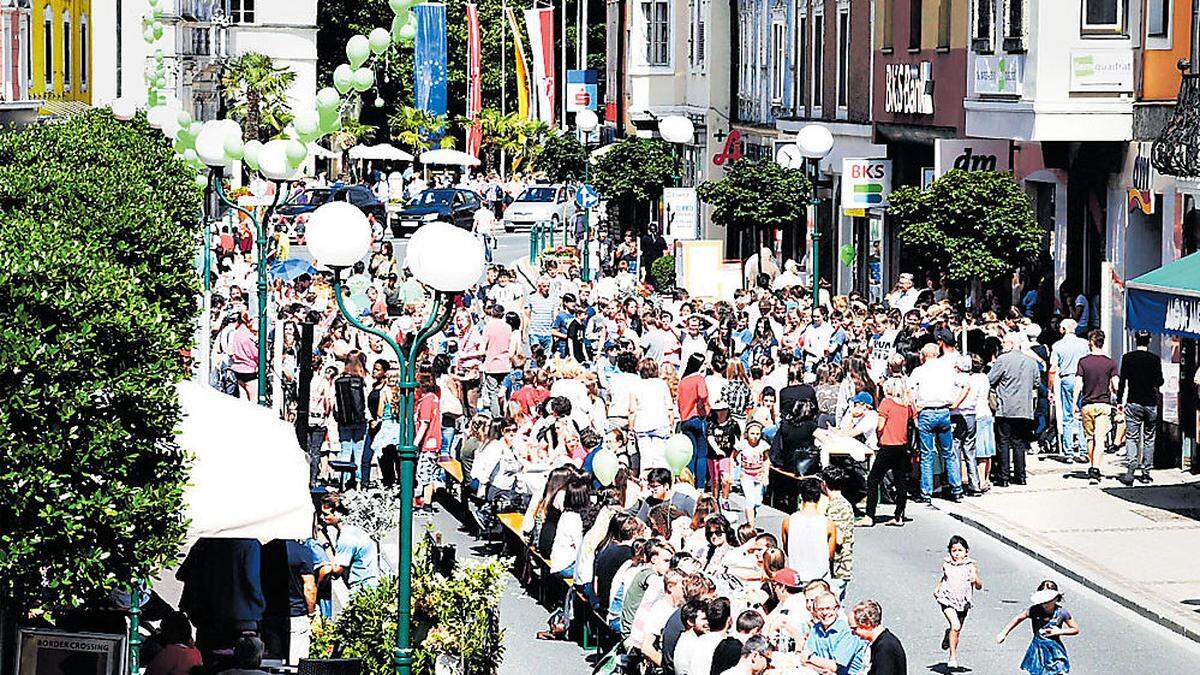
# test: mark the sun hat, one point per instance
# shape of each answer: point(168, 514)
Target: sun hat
point(787, 577)
point(1045, 595)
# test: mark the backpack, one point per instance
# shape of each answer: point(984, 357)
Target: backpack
point(350, 400)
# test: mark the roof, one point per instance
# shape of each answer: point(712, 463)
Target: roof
point(1181, 277)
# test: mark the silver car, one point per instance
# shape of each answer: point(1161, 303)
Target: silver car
point(540, 203)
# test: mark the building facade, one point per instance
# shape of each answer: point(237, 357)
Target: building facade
point(16, 62)
point(61, 63)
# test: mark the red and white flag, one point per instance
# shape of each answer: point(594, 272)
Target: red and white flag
point(474, 81)
point(540, 24)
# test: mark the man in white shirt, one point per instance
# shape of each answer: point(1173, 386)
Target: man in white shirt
point(699, 662)
point(1064, 378)
point(789, 277)
point(933, 391)
point(904, 298)
point(817, 338)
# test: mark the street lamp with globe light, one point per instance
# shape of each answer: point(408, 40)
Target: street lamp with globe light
point(448, 260)
point(815, 143)
point(676, 130)
point(586, 121)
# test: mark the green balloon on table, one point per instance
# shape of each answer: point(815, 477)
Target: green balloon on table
point(605, 466)
point(296, 152)
point(380, 40)
point(234, 148)
point(250, 153)
point(364, 79)
point(358, 50)
point(679, 453)
point(343, 77)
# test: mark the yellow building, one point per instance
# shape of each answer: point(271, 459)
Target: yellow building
point(62, 50)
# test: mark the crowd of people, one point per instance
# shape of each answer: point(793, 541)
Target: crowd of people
point(856, 401)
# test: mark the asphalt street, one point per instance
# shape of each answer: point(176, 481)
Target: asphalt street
point(898, 567)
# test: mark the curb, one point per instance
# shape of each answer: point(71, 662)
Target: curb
point(1128, 603)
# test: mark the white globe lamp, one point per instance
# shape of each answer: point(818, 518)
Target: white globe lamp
point(210, 143)
point(446, 258)
point(586, 121)
point(676, 129)
point(124, 109)
point(338, 234)
point(273, 161)
point(815, 141)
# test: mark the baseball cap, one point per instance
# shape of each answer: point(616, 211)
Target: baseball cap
point(864, 397)
point(787, 577)
point(720, 404)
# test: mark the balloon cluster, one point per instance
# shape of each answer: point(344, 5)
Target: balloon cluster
point(219, 143)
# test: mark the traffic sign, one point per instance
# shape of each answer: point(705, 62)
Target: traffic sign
point(587, 197)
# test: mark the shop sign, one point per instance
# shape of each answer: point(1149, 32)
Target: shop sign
point(999, 75)
point(582, 90)
point(866, 183)
point(969, 154)
point(1110, 70)
point(907, 88)
point(52, 651)
point(682, 213)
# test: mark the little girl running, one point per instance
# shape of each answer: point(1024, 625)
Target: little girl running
point(960, 579)
point(1051, 621)
point(753, 468)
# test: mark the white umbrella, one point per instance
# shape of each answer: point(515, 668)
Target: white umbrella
point(448, 157)
point(249, 477)
point(321, 151)
point(383, 151)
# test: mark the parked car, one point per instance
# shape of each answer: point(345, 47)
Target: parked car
point(554, 203)
point(450, 205)
point(308, 200)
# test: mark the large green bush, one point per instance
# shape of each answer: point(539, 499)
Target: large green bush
point(968, 225)
point(97, 303)
point(757, 193)
point(630, 176)
point(562, 158)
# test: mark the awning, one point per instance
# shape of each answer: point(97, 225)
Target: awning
point(448, 157)
point(1166, 300)
point(383, 151)
point(321, 151)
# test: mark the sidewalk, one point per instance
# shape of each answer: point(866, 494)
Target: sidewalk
point(1135, 545)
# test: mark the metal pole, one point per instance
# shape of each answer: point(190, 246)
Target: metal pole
point(443, 305)
point(813, 203)
point(503, 80)
point(562, 76)
point(261, 244)
point(135, 635)
point(587, 220)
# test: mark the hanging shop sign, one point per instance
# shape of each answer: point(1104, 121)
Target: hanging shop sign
point(969, 154)
point(908, 88)
point(582, 90)
point(999, 75)
point(866, 183)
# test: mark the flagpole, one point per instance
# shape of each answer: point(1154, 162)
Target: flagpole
point(562, 76)
point(503, 79)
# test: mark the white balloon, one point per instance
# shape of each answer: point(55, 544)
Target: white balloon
point(157, 115)
point(210, 143)
point(170, 126)
point(124, 109)
point(338, 234)
point(273, 161)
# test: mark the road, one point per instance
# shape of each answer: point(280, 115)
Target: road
point(510, 248)
point(898, 567)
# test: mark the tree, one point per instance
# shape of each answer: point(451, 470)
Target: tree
point(562, 158)
point(98, 303)
point(257, 90)
point(415, 128)
point(631, 176)
point(968, 225)
point(757, 193)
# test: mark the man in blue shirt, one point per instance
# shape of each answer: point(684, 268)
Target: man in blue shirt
point(831, 645)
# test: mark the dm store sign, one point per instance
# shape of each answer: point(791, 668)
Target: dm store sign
point(866, 183)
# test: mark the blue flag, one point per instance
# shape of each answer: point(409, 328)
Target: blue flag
point(429, 57)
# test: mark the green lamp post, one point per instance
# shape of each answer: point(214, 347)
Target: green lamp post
point(446, 259)
point(815, 142)
point(586, 121)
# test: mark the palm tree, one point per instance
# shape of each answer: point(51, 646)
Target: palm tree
point(415, 127)
point(257, 90)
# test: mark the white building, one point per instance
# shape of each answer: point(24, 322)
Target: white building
point(199, 36)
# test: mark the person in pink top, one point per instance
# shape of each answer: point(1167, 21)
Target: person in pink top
point(428, 439)
point(693, 411)
point(497, 358)
point(244, 357)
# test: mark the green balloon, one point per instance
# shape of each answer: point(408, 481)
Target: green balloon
point(398, 6)
point(296, 152)
point(158, 55)
point(148, 35)
point(380, 41)
point(679, 453)
point(160, 82)
point(328, 99)
point(307, 124)
point(847, 255)
point(412, 3)
point(398, 24)
point(330, 119)
point(250, 153)
point(358, 49)
point(200, 181)
point(408, 33)
point(179, 147)
point(234, 148)
point(343, 77)
point(158, 30)
point(184, 119)
point(364, 79)
point(184, 142)
point(190, 155)
point(605, 466)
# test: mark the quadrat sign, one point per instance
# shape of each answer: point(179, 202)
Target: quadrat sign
point(866, 183)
